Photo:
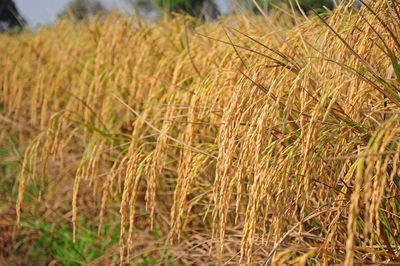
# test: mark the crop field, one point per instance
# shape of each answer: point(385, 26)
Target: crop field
point(270, 139)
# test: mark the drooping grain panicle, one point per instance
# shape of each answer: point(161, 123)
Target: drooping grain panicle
point(232, 142)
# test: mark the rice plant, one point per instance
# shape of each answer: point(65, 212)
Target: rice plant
point(269, 139)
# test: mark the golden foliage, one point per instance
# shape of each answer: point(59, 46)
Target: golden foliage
point(277, 147)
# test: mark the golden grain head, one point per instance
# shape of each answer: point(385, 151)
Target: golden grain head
point(243, 143)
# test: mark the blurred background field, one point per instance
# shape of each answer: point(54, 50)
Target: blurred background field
point(264, 135)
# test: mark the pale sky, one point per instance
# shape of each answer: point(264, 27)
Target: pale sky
point(40, 12)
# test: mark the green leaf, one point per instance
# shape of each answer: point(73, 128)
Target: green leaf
point(396, 67)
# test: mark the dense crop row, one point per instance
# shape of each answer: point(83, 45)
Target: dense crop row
point(229, 141)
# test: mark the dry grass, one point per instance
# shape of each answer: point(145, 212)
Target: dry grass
point(271, 145)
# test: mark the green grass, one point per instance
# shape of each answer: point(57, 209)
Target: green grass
point(55, 242)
